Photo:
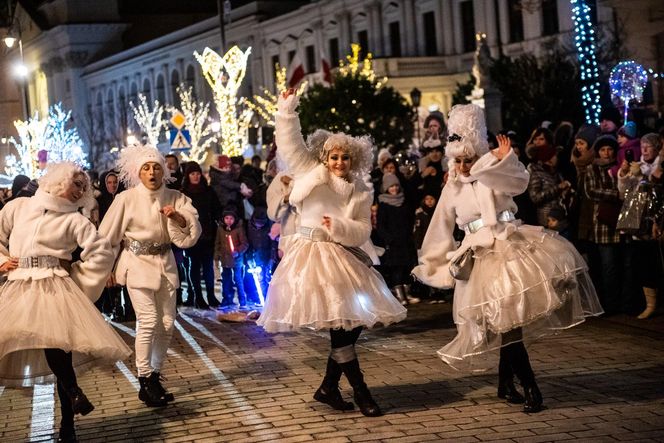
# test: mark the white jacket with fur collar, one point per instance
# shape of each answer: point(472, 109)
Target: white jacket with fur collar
point(487, 192)
point(317, 192)
point(51, 225)
point(134, 215)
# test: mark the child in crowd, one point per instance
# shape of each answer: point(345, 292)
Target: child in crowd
point(230, 246)
point(259, 255)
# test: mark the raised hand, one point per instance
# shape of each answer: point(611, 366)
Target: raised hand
point(504, 147)
point(170, 212)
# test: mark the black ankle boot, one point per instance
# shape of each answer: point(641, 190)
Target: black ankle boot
point(67, 433)
point(508, 392)
point(79, 402)
point(533, 398)
point(361, 393)
point(157, 381)
point(150, 393)
point(328, 392)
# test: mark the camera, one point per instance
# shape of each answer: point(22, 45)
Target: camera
point(629, 155)
point(576, 152)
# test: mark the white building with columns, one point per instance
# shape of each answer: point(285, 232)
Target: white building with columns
point(428, 44)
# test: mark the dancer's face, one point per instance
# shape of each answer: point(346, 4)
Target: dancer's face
point(463, 164)
point(76, 188)
point(338, 162)
point(151, 175)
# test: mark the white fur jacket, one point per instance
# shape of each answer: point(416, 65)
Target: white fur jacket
point(51, 225)
point(316, 192)
point(134, 215)
point(277, 209)
point(485, 193)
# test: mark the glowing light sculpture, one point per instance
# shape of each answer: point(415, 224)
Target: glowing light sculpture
point(200, 129)
point(584, 40)
point(225, 75)
point(150, 120)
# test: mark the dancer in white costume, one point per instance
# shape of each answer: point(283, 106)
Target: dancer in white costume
point(525, 281)
point(48, 322)
point(323, 281)
point(141, 224)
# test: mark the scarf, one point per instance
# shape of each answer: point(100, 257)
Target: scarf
point(392, 200)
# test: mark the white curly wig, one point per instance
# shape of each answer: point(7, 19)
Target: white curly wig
point(133, 158)
point(466, 127)
point(321, 142)
point(59, 176)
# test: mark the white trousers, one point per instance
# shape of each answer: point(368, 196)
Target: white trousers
point(155, 315)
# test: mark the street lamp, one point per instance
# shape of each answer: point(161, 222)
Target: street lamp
point(21, 70)
point(415, 98)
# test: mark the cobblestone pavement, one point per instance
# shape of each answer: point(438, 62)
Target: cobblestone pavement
point(602, 381)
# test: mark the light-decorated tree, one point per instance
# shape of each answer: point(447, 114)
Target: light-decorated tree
point(149, 119)
point(358, 103)
point(266, 105)
point(53, 134)
point(197, 123)
point(225, 75)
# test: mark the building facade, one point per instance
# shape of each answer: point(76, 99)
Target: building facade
point(428, 44)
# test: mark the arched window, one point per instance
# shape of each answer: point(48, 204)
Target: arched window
point(175, 82)
point(161, 90)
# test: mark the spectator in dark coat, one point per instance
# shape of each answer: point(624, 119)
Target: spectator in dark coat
point(230, 246)
point(201, 255)
point(546, 187)
point(396, 232)
point(259, 254)
point(175, 171)
point(224, 185)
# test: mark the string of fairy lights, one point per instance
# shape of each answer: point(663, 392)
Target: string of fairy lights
point(584, 40)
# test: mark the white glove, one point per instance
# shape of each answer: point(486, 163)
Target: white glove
point(287, 105)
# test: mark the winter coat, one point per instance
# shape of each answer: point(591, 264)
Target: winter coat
point(135, 215)
point(395, 231)
point(635, 146)
point(259, 241)
point(223, 251)
point(601, 185)
point(205, 200)
point(543, 190)
point(422, 219)
point(50, 225)
point(226, 188)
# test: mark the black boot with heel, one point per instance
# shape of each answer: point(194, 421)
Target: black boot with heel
point(361, 395)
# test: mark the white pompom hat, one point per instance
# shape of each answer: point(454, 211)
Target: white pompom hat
point(133, 158)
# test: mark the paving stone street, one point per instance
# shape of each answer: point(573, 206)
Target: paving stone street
point(602, 381)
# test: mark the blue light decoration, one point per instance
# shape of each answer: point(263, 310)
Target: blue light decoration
point(628, 80)
point(584, 40)
point(256, 272)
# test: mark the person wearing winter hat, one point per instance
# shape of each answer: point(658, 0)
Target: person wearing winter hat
point(583, 156)
point(325, 281)
point(394, 229)
point(609, 121)
point(49, 326)
point(629, 146)
point(201, 255)
point(141, 224)
point(229, 247)
point(508, 289)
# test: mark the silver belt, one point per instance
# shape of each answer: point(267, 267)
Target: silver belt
point(146, 248)
point(41, 261)
point(476, 225)
point(313, 234)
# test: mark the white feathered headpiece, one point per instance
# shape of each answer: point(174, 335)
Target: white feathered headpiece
point(321, 142)
point(466, 127)
point(133, 158)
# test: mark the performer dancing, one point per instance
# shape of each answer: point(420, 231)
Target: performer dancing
point(48, 322)
point(323, 281)
point(525, 281)
point(141, 224)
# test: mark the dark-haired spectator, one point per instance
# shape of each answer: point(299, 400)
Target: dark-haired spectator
point(258, 254)
point(201, 255)
point(609, 121)
point(546, 187)
point(173, 168)
point(230, 246)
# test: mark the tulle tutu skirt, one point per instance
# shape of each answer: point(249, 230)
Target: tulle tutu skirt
point(321, 285)
point(51, 313)
point(532, 284)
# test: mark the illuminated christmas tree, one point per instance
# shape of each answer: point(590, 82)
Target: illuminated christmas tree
point(266, 105)
point(149, 119)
